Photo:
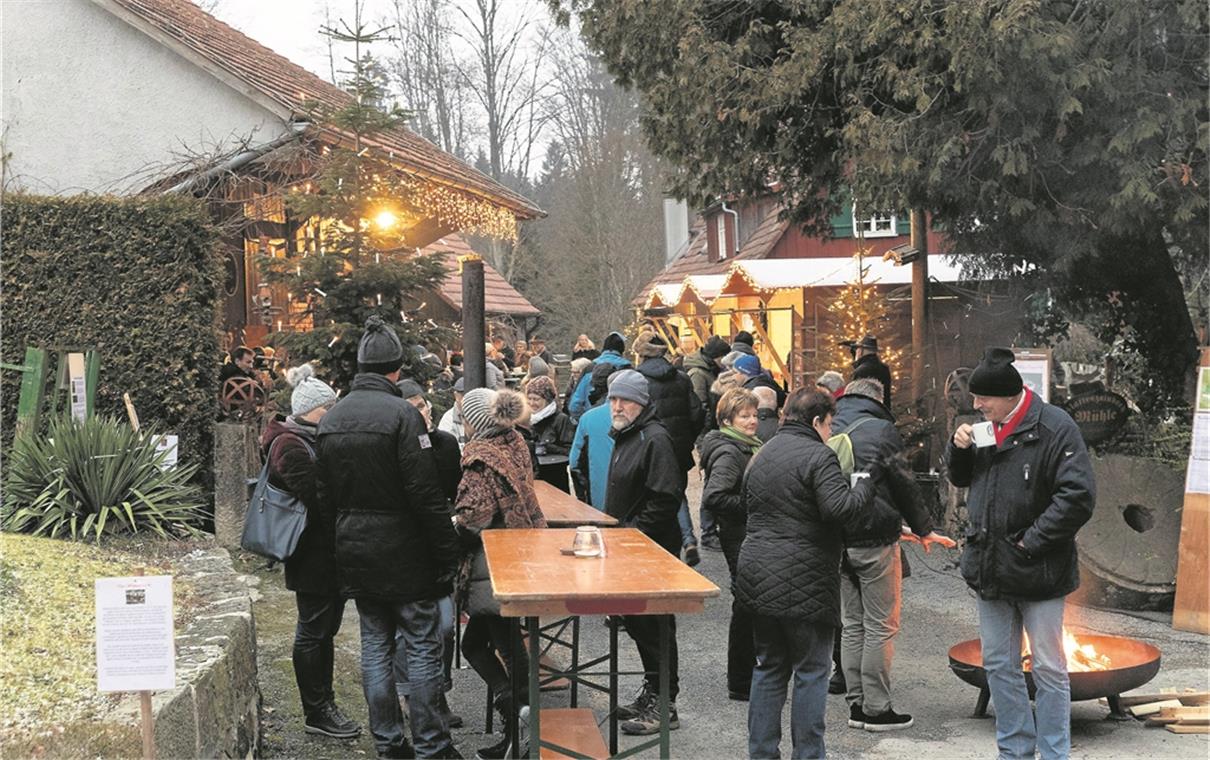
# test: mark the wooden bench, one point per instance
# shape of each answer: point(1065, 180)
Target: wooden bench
point(573, 728)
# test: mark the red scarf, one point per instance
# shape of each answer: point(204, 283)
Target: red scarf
point(1005, 429)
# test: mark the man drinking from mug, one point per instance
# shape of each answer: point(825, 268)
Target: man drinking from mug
point(1031, 488)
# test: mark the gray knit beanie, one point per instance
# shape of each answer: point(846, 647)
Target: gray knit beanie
point(538, 366)
point(409, 388)
point(630, 385)
point(379, 348)
point(310, 392)
point(489, 411)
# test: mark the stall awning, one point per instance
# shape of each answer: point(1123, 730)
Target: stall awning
point(767, 275)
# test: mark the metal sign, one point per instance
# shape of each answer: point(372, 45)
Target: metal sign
point(1098, 414)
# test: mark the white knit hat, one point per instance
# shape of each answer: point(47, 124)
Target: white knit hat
point(310, 392)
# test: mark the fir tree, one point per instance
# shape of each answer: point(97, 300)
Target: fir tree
point(859, 311)
point(358, 263)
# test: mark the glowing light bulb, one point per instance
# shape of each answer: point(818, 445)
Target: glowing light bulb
point(385, 219)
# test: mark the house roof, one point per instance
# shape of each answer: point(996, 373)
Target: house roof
point(694, 259)
point(498, 296)
point(780, 274)
point(290, 90)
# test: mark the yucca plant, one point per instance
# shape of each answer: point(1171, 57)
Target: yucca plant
point(88, 479)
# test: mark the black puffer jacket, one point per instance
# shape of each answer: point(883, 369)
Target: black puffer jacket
point(724, 460)
point(767, 422)
point(897, 498)
point(645, 484)
point(394, 538)
point(1038, 488)
point(798, 502)
point(312, 567)
point(675, 404)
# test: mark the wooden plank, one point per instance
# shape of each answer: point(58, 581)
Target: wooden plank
point(562, 510)
point(1153, 708)
point(1189, 715)
point(764, 336)
point(1180, 728)
point(575, 729)
point(1189, 698)
point(1191, 606)
point(33, 391)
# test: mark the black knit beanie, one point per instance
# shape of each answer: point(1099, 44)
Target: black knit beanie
point(614, 342)
point(743, 336)
point(716, 348)
point(379, 350)
point(996, 375)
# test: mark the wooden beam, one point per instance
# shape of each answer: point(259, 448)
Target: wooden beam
point(764, 336)
point(33, 390)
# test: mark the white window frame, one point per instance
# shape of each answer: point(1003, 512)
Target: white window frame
point(720, 236)
point(870, 227)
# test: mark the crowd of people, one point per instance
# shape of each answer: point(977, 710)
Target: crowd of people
point(808, 496)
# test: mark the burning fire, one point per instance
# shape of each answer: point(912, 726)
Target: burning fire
point(1081, 658)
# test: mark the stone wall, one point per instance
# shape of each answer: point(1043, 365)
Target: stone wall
point(214, 711)
point(236, 459)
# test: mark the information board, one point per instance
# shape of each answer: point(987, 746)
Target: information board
point(1033, 364)
point(135, 649)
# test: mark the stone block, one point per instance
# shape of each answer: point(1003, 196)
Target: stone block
point(236, 459)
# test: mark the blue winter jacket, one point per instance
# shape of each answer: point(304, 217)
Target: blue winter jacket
point(579, 398)
point(593, 432)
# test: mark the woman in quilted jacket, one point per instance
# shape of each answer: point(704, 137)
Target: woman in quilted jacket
point(725, 454)
point(798, 503)
point(497, 491)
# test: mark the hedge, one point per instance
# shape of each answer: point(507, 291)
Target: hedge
point(136, 278)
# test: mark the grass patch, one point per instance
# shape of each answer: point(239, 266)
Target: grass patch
point(47, 629)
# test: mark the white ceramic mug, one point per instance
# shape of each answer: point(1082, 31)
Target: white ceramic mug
point(983, 434)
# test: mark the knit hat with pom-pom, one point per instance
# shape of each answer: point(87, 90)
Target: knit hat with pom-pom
point(310, 392)
point(490, 411)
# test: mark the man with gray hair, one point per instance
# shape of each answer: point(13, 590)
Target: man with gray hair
point(644, 492)
point(831, 382)
point(872, 572)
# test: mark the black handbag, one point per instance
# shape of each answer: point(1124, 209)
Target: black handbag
point(275, 519)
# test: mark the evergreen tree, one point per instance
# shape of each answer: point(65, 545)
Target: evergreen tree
point(359, 262)
point(858, 311)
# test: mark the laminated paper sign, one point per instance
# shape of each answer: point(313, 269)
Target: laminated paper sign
point(135, 650)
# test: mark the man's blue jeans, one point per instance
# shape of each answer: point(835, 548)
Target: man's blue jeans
point(1018, 732)
point(786, 647)
point(420, 623)
point(445, 606)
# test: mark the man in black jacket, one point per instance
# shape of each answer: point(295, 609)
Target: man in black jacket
point(681, 412)
point(1031, 489)
point(645, 491)
point(867, 363)
point(872, 576)
point(395, 545)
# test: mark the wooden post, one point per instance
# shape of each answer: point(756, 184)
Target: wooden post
point(1191, 607)
point(474, 358)
point(920, 276)
point(147, 725)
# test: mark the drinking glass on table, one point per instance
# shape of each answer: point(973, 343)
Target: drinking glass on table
point(588, 542)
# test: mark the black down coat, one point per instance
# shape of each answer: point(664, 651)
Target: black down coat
point(645, 486)
point(676, 405)
point(798, 502)
point(897, 498)
point(394, 538)
point(724, 460)
point(1036, 487)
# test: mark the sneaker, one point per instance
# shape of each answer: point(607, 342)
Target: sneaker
point(710, 541)
point(836, 684)
point(451, 719)
point(330, 721)
point(648, 722)
point(857, 718)
point(887, 721)
point(692, 557)
point(636, 708)
point(401, 752)
point(503, 748)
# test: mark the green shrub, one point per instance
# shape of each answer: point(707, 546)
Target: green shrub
point(94, 478)
point(135, 278)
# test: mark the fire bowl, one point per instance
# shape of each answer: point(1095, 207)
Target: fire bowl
point(1132, 664)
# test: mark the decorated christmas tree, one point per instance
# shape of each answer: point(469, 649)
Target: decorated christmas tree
point(859, 310)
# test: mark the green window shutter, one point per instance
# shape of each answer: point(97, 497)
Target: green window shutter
point(903, 222)
point(842, 223)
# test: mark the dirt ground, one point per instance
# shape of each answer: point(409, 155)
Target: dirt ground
point(938, 611)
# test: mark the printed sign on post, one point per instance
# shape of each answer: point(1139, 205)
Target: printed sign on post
point(135, 650)
point(168, 444)
point(77, 387)
point(1034, 366)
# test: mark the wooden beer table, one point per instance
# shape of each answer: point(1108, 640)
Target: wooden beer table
point(532, 577)
point(562, 510)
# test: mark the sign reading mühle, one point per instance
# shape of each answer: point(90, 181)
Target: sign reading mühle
point(1098, 414)
point(135, 650)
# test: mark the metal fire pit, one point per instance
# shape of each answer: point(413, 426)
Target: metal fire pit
point(1132, 664)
